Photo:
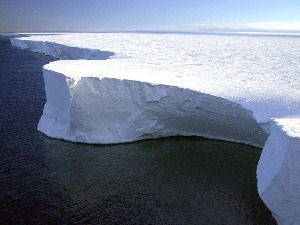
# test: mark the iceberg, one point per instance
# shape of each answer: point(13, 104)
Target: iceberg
point(144, 87)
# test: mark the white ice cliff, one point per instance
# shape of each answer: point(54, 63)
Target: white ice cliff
point(61, 51)
point(99, 105)
point(157, 86)
point(278, 171)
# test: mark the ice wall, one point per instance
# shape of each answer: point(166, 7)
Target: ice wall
point(61, 51)
point(108, 109)
point(278, 171)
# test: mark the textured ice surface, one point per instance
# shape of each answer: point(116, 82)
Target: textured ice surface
point(162, 84)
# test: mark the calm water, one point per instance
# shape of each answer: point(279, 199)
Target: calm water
point(165, 181)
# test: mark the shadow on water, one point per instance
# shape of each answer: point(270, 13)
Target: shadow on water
point(165, 181)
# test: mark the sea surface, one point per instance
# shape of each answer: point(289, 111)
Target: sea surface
point(165, 181)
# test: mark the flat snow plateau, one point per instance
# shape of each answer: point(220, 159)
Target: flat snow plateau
point(137, 86)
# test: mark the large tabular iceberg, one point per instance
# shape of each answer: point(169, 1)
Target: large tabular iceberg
point(231, 88)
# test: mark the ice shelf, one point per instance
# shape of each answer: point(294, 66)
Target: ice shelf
point(123, 100)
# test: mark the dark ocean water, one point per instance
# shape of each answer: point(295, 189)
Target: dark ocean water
point(165, 181)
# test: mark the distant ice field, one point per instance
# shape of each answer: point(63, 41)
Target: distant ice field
point(261, 73)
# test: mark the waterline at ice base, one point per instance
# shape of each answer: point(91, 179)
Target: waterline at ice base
point(115, 88)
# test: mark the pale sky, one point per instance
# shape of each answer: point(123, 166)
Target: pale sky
point(97, 15)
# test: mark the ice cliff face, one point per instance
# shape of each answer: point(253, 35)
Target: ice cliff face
point(61, 51)
point(127, 99)
point(107, 109)
point(278, 171)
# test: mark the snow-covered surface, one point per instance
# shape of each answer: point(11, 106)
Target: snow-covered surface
point(153, 85)
point(255, 71)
